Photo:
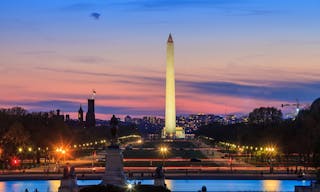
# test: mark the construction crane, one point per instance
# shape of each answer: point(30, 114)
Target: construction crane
point(297, 106)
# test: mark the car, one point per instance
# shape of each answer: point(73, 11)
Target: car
point(101, 160)
point(195, 160)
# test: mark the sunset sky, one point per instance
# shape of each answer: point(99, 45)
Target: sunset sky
point(230, 55)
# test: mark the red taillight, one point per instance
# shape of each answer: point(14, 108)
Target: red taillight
point(15, 162)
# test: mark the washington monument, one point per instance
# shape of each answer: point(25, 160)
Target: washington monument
point(170, 124)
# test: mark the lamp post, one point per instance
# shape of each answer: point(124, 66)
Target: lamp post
point(163, 151)
point(20, 151)
point(30, 154)
point(61, 152)
point(270, 153)
point(64, 155)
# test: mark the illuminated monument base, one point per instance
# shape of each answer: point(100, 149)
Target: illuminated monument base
point(180, 134)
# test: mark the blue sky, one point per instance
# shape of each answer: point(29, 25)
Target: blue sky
point(230, 55)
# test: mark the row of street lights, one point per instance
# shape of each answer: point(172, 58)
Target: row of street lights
point(242, 148)
point(29, 149)
point(89, 144)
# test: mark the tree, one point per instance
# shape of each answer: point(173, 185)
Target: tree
point(265, 115)
point(15, 137)
point(17, 111)
point(308, 122)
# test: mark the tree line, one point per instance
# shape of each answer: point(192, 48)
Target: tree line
point(20, 129)
point(266, 126)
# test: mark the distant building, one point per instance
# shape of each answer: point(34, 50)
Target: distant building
point(137, 121)
point(80, 114)
point(128, 119)
point(195, 121)
point(58, 115)
point(67, 117)
point(90, 116)
point(150, 119)
point(190, 136)
point(180, 133)
point(153, 136)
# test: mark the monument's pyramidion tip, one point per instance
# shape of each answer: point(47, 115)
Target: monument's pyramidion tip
point(170, 40)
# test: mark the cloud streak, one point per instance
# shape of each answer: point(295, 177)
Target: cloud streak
point(170, 4)
point(283, 91)
point(272, 90)
point(109, 97)
point(134, 79)
point(79, 6)
point(229, 7)
point(78, 72)
point(187, 90)
point(89, 60)
point(69, 106)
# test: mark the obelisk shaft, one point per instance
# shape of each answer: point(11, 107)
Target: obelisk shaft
point(170, 119)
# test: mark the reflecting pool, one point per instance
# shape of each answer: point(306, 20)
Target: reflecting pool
point(174, 185)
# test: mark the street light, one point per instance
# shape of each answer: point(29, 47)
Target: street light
point(163, 151)
point(64, 155)
point(130, 186)
point(62, 151)
point(271, 151)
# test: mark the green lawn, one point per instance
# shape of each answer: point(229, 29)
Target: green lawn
point(174, 144)
point(140, 153)
point(179, 149)
point(167, 163)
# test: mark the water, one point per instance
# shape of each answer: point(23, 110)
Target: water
point(174, 185)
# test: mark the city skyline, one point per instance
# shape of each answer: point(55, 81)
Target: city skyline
point(230, 57)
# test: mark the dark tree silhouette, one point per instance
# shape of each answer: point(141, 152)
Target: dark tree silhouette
point(16, 136)
point(265, 115)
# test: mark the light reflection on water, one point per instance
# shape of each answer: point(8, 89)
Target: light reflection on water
point(271, 185)
point(53, 185)
point(231, 185)
point(174, 185)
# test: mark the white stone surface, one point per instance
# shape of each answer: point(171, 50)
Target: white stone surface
point(114, 168)
point(68, 185)
point(170, 119)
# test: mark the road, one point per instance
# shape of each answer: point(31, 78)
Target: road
point(88, 165)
